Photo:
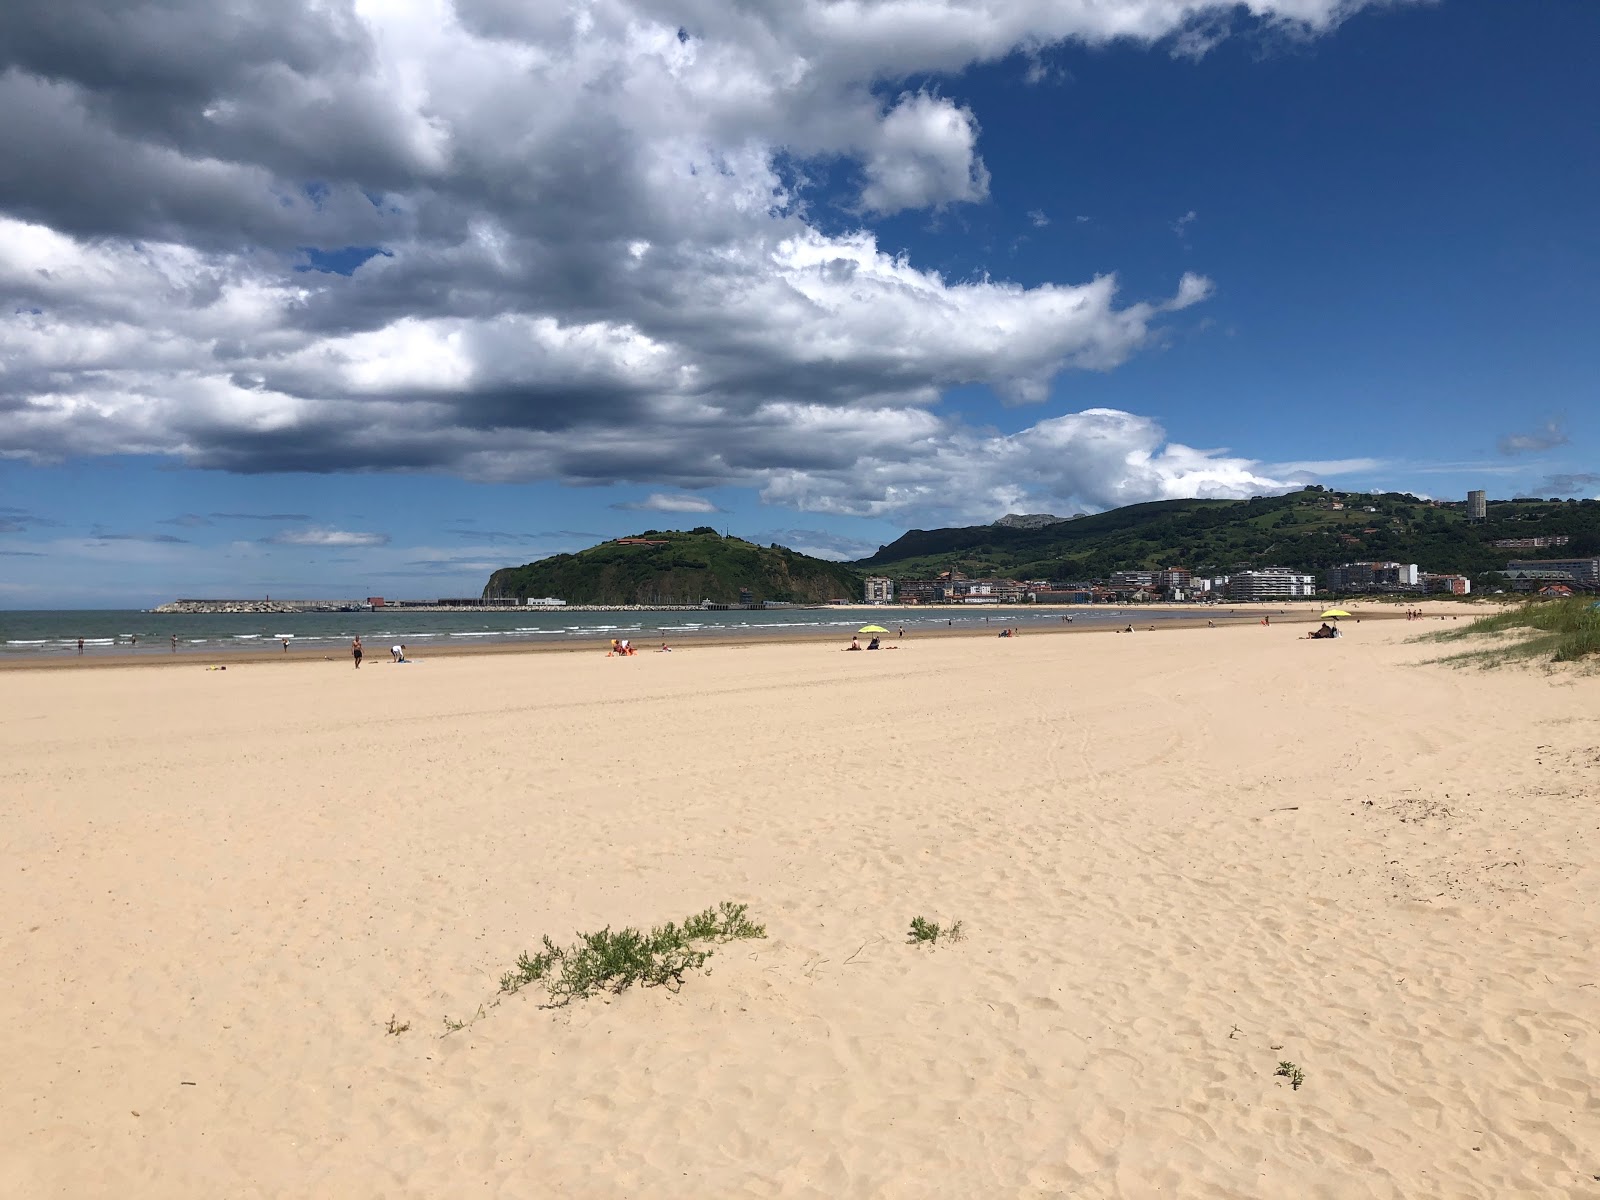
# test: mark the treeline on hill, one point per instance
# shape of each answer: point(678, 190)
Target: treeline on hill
point(1303, 530)
point(675, 567)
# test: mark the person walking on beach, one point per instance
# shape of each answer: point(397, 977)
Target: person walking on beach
point(174, 643)
point(80, 645)
point(355, 651)
point(286, 645)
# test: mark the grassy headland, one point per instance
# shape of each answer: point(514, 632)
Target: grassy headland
point(675, 567)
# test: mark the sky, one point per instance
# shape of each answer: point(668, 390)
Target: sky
point(339, 298)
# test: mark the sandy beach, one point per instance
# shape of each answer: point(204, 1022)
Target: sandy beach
point(1180, 858)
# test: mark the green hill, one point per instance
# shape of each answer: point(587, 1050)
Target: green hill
point(1302, 530)
point(674, 567)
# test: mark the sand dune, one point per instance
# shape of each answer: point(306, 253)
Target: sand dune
point(1179, 858)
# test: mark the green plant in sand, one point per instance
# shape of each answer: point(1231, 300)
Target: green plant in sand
point(926, 933)
point(1560, 630)
point(613, 961)
point(1295, 1076)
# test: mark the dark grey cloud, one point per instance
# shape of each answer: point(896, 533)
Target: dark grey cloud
point(1548, 436)
point(162, 539)
point(186, 521)
point(20, 520)
point(1578, 481)
point(22, 554)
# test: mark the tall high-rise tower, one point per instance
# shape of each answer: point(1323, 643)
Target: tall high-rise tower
point(1477, 506)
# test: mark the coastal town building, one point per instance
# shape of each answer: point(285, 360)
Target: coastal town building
point(1355, 577)
point(1532, 543)
point(1271, 583)
point(1132, 580)
point(1582, 572)
point(879, 590)
point(1533, 579)
point(1454, 585)
point(920, 591)
point(1477, 507)
point(1173, 579)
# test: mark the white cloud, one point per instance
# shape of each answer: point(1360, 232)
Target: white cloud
point(598, 265)
point(1038, 218)
point(667, 503)
point(924, 155)
point(1548, 436)
point(1098, 458)
point(327, 537)
point(1323, 467)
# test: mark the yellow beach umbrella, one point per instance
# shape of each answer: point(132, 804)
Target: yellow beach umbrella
point(1334, 612)
point(872, 629)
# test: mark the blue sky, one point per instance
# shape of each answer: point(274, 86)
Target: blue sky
point(811, 284)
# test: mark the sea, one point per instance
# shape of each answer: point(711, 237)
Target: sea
point(131, 631)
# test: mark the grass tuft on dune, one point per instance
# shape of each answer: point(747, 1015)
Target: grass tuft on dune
point(1561, 630)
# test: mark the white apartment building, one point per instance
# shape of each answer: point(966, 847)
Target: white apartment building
point(880, 590)
point(1271, 583)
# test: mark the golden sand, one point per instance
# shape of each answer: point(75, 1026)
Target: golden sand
point(1180, 858)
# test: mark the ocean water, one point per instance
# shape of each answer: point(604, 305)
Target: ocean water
point(107, 631)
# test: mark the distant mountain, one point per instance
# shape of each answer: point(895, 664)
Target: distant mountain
point(675, 567)
point(1308, 530)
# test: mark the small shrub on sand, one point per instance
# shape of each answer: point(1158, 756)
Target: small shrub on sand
point(926, 933)
point(1295, 1076)
point(613, 961)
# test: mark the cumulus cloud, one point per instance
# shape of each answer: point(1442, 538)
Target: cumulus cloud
point(924, 155)
point(326, 537)
point(1548, 436)
point(667, 503)
point(1098, 458)
point(598, 257)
